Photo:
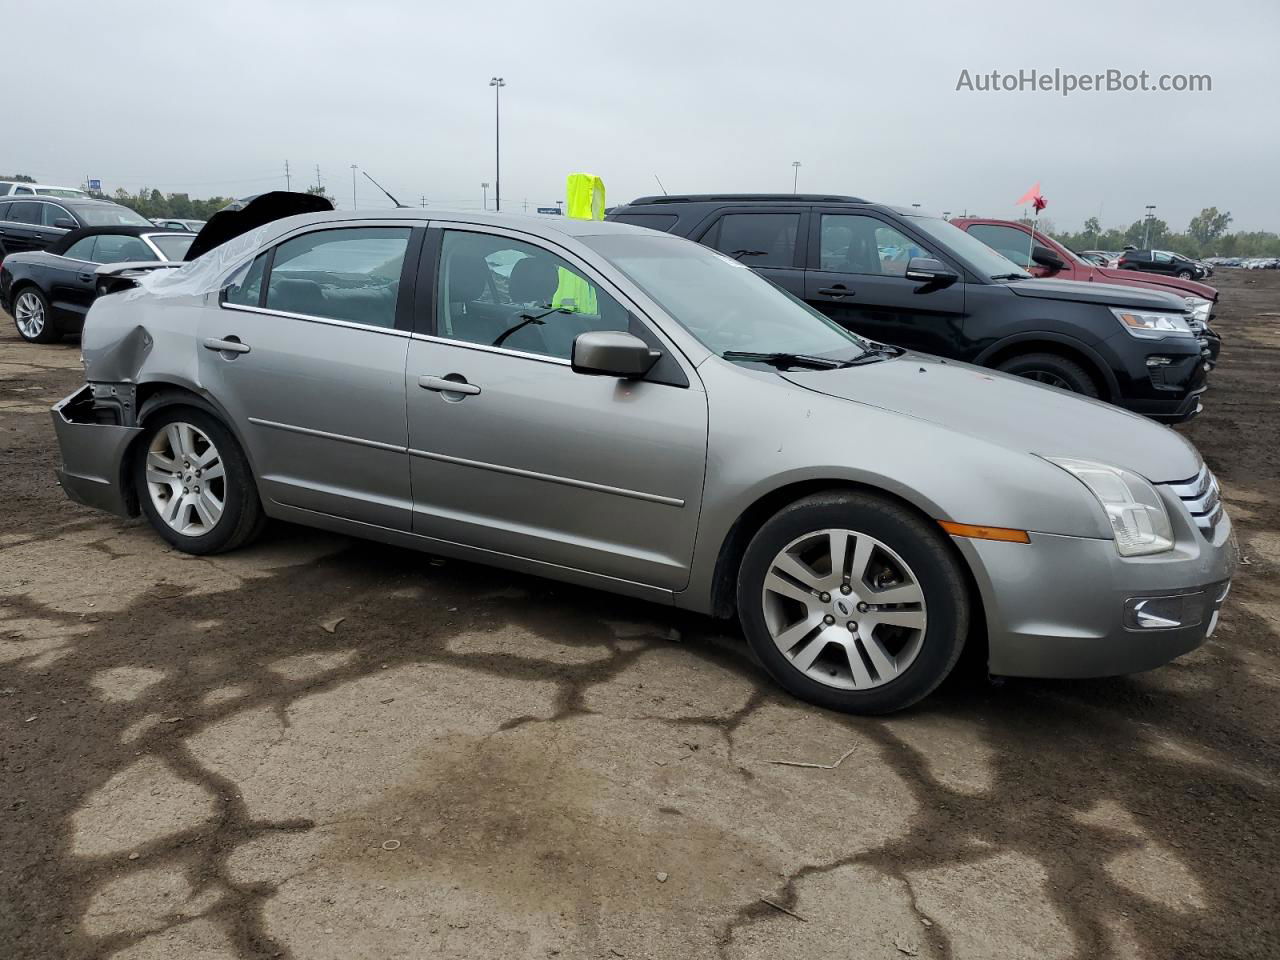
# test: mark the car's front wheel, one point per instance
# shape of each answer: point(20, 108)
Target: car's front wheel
point(853, 602)
point(32, 317)
point(194, 483)
point(1053, 371)
point(1184, 274)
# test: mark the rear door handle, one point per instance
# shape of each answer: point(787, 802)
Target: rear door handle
point(445, 385)
point(839, 290)
point(226, 346)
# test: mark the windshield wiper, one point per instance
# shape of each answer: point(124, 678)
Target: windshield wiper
point(1011, 276)
point(784, 360)
point(739, 254)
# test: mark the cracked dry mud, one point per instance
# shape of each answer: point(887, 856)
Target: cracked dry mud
point(477, 764)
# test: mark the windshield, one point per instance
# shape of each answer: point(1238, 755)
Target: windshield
point(723, 303)
point(977, 254)
point(172, 245)
point(111, 215)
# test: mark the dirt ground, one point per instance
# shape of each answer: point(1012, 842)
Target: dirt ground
point(322, 748)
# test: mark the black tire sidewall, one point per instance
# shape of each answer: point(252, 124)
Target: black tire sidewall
point(241, 496)
point(929, 557)
point(1070, 371)
point(50, 333)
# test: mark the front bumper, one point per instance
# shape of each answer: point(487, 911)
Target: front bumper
point(1056, 607)
point(93, 455)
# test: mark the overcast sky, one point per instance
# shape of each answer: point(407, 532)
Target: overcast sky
point(212, 97)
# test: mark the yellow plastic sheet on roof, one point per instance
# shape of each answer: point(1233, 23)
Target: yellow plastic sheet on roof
point(584, 200)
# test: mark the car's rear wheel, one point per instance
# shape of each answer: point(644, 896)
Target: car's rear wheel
point(194, 483)
point(853, 602)
point(1053, 371)
point(33, 318)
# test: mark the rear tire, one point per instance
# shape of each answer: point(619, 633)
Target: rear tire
point(33, 317)
point(896, 615)
point(194, 483)
point(1052, 370)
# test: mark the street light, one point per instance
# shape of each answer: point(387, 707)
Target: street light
point(1146, 233)
point(353, 186)
point(795, 180)
point(485, 187)
point(497, 83)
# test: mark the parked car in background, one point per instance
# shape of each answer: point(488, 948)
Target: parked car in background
point(1099, 258)
point(172, 223)
point(899, 276)
point(1162, 261)
point(48, 292)
point(637, 413)
point(34, 223)
point(15, 188)
point(1046, 257)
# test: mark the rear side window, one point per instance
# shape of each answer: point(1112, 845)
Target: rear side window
point(654, 221)
point(26, 212)
point(247, 291)
point(117, 249)
point(81, 250)
point(350, 274)
point(4, 211)
point(756, 239)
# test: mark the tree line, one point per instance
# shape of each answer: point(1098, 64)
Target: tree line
point(1206, 236)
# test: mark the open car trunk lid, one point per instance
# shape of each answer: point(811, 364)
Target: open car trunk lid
point(250, 213)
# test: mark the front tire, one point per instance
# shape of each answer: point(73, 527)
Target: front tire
point(1053, 371)
point(194, 483)
point(853, 602)
point(1184, 274)
point(33, 317)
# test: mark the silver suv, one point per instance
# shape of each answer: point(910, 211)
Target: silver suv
point(619, 408)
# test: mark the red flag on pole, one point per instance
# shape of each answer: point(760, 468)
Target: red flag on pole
point(1031, 196)
point(1039, 203)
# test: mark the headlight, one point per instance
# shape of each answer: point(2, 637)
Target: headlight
point(1137, 514)
point(1200, 308)
point(1152, 326)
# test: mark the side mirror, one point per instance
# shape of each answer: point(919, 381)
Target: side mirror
point(1046, 258)
point(929, 270)
point(612, 353)
point(65, 223)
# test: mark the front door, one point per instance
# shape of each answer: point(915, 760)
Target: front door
point(306, 354)
point(513, 452)
point(856, 277)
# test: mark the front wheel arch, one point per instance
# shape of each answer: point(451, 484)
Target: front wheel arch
point(1078, 353)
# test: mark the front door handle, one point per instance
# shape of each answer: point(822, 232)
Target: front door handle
point(230, 345)
point(839, 290)
point(447, 385)
point(86, 277)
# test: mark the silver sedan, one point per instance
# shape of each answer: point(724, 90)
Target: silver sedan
point(619, 408)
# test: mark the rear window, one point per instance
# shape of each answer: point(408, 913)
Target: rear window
point(654, 221)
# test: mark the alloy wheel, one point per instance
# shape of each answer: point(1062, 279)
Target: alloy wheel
point(844, 609)
point(28, 313)
point(186, 479)
point(1048, 378)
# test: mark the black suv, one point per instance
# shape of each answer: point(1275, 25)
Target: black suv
point(33, 223)
point(1162, 261)
point(901, 277)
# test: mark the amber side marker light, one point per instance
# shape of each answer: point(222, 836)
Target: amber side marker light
point(975, 532)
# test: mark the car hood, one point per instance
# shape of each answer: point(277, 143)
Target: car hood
point(1185, 288)
point(1014, 413)
point(241, 216)
point(1112, 295)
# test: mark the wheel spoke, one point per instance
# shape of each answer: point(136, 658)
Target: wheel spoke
point(811, 651)
point(174, 436)
point(785, 588)
point(862, 550)
point(796, 570)
point(789, 637)
point(205, 459)
point(206, 515)
point(837, 546)
point(174, 509)
point(215, 472)
point(156, 475)
point(885, 665)
point(857, 669)
point(159, 461)
point(899, 593)
point(913, 619)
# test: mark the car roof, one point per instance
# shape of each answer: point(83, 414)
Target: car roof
point(744, 198)
point(544, 226)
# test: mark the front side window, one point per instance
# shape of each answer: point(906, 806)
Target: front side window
point(81, 250)
point(852, 243)
point(1006, 241)
point(350, 274)
point(113, 248)
point(500, 292)
point(756, 239)
point(53, 213)
point(1159, 256)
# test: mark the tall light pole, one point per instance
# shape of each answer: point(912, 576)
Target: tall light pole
point(485, 187)
point(353, 186)
point(1146, 233)
point(795, 178)
point(497, 83)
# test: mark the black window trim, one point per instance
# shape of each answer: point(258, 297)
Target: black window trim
point(405, 296)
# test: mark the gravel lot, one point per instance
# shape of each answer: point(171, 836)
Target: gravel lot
point(321, 748)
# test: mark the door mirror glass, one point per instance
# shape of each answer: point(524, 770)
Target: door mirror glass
point(929, 270)
point(1046, 258)
point(612, 353)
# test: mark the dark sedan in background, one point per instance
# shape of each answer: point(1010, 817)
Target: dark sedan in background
point(36, 222)
point(48, 292)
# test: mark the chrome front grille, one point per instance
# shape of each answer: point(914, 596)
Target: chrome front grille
point(1203, 500)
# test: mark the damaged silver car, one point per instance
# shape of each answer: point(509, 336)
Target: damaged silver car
point(614, 407)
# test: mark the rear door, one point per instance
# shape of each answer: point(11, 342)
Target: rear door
point(857, 263)
point(307, 351)
point(71, 278)
point(770, 240)
point(22, 228)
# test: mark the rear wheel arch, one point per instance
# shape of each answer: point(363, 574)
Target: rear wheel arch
point(1077, 353)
